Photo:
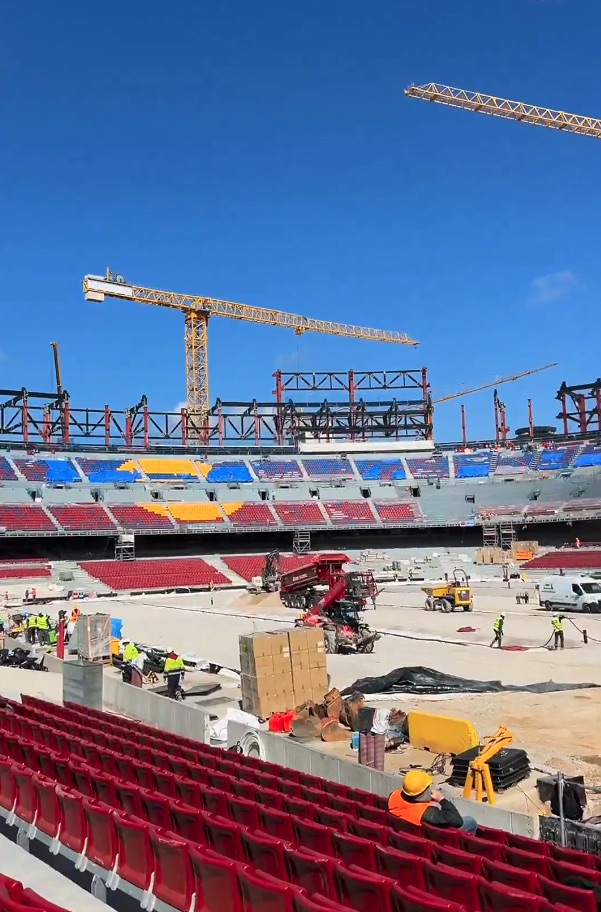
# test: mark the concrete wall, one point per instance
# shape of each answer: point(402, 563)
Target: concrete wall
point(307, 759)
point(160, 712)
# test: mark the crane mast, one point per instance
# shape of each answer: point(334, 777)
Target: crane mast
point(197, 310)
point(503, 107)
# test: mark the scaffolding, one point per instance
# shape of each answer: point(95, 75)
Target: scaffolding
point(301, 541)
point(125, 547)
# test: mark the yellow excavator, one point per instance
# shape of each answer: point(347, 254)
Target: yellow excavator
point(450, 595)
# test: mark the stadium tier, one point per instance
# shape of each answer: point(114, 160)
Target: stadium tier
point(155, 574)
point(249, 565)
point(169, 494)
point(581, 559)
point(206, 832)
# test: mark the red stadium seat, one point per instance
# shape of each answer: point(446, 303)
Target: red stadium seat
point(216, 881)
point(74, 826)
point(333, 819)
point(26, 806)
point(454, 885)
point(362, 891)
point(313, 836)
point(485, 849)
point(412, 845)
point(102, 847)
point(573, 898)
point(157, 809)
point(407, 870)
point(572, 856)
point(313, 872)
point(262, 893)
point(265, 853)
point(367, 830)
point(244, 812)
point(225, 837)
point(278, 824)
point(415, 901)
point(188, 822)
point(494, 897)
point(445, 837)
point(352, 850)
point(528, 861)
point(135, 851)
point(48, 818)
point(173, 880)
point(457, 858)
point(515, 878)
point(8, 785)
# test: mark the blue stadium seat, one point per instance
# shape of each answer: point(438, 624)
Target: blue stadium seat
point(109, 471)
point(381, 469)
point(556, 459)
point(472, 465)
point(424, 467)
point(50, 471)
point(229, 472)
point(328, 468)
point(271, 469)
point(590, 456)
point(7, 473)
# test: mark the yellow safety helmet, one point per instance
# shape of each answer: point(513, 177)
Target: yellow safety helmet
point(416, 782)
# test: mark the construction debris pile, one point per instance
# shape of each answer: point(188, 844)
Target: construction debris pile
point(281, 670)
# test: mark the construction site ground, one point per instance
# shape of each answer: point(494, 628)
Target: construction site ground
point(558, 730)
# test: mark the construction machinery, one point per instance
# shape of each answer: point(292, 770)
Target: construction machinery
point(197, 310)
point(333, 599)
point(478, 776)
point(269, 581)
point(450, 594)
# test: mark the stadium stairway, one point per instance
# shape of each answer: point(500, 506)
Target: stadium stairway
point(180, 825)
point(215, 561)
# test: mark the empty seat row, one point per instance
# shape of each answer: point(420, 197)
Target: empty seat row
point(155, 574)
point(132, 836)
point(300, 822)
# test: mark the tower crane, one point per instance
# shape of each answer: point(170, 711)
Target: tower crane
point(478, 389)
point(197, 310)
point(503, 107)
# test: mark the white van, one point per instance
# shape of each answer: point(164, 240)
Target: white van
point(570, 593)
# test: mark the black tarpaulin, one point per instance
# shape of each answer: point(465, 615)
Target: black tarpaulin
point(420, 680)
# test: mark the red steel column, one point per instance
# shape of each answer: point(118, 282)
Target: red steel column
point(463, 426)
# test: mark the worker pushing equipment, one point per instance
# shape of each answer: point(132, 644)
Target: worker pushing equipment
point(498, 631)
point(557, 623)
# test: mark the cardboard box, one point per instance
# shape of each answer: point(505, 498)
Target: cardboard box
point(297, 639)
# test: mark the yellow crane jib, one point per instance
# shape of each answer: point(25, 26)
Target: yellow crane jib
point(504, 107)
point(197, 310)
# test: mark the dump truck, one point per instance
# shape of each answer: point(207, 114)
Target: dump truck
point(450, 595)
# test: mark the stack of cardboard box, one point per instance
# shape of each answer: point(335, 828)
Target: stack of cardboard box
point(282, 669)
point(308, 660)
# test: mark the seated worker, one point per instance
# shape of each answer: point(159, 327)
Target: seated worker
point(417, 803)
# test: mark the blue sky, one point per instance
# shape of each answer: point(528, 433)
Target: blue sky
point(264, 152)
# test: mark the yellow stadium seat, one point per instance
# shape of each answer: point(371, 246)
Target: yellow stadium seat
point(196, 513)
point(159, 509)
point(130, 466)
point(170, 468)
point(230, 508)
point(204, 468)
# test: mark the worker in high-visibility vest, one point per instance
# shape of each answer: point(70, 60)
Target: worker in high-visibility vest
point(557, 624)
point(174, 673)
point(497, 628)
point(130, 651)
point(32, 626)
point(43, 625)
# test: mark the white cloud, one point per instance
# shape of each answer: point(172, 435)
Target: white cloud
point(552, 287)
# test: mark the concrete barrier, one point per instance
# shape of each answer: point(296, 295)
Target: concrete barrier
point(153, 709)
point(308, 759)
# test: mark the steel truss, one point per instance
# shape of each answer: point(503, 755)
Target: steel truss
point(37, 419)
point(584, 414)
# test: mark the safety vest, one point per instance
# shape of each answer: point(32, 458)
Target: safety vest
point(557, 625)
point(130, 653)
point(174, 664)
point(43, 622)
point(74, 617)
point(32, 621)
point(498, 625)
point(410, 811)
